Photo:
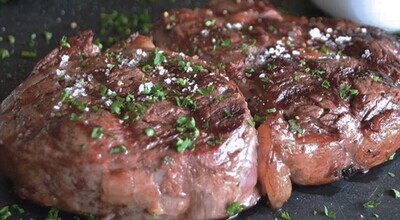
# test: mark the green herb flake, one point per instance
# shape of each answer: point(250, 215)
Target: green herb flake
point(214, 142)
point(396, 193)
point(234, 208)
point(11, 39)
point(271, 110)
point(18, 209)
point(206, 91)
point(371, 204)
point(376, 79)
point(294, 127)
point(329, 214)
point(97, 132)
point(53, 214)
point(158, 57)
point(228, 113)
point(259, 119)
point(375, 215)
point(149, 132)
point(392, 156)
point(249, 70)
point(210, 22)
point(318, 73)
point(28, 54)
point(182, 145)
point(251, 123)
point(324, 49)
point(75, 117)
point(391, 174)
point(64, 43)
point(47, 36)
point(110, 66)
point(271, 28)
point(326, 84)
point(285, 216)
point(5, 213)
point(4, 53)
point(120, 149)
point(226, 43)
point(117, 106)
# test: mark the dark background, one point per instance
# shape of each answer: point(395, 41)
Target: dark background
point(21, 18)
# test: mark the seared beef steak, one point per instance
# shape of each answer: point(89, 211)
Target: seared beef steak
point(328, 89)
point(131, 133)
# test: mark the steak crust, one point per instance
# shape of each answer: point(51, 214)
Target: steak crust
point(99, 133)
point(325, 91)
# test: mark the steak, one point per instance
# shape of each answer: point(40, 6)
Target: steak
point(130, 133)
point(325, 91)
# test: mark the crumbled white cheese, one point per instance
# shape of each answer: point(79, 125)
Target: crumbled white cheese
point(316, 34)
point(167, 81)
point(145, 87)
point(64, 61)
point(205, 33)
point(364, 30)
point(295, 52)
point(60, 73)
point(160, 70)
point(367, 54)
point(343, 39)
point(262, 75)
point(235, 26)
point(329, 30)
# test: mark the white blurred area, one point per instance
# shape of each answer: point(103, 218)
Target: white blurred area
point(380, 13)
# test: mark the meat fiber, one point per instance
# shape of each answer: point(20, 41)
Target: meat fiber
point(325, 91)
point(132, 133)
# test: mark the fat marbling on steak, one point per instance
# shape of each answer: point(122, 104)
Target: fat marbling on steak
point(326, 91)
point(132, 133)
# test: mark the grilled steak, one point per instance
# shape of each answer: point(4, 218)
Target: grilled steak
point(132, 133)
point(326, 91)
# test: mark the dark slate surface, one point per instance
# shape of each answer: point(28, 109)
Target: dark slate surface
point(21, 18)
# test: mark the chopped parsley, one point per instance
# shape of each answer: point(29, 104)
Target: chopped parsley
point(64, 42)
point(206, 90)
point(226, 43)
point(294, 127)
point(285, 216)
point(271, 110)
point(97, 132)
point(234, 208)
point(392, 156)
point(53, 214)
point(318, 73)
point(396, 193)
point(251, 123)
point(371, 204)
point(188, 133)
point(18, 209)
point(11, 39)
point(117, 105)
point(75, 117)
point(391, 174)
point(214, 142)
point(228, 113)
point(259, 119)
point(149, 132)
point(158, 57)
point(249, 70)
point(47, 36)
point(326, 84)
point(329, 214)
point(210, 22)
point(118, 150)
point(5, 213)
point(28, 54)
point(187, 102)
point(4, 53)
point(347, 93)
